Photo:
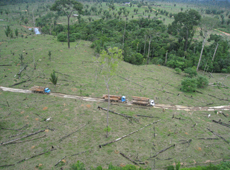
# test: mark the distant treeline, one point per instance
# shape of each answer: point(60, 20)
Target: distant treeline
point(144, 41)
point(14, 2)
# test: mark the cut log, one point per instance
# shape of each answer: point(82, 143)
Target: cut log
point(208, 138)
point(145, 99)
point(126, 116)
point(218, 135)
point(162, 151)
point(5, 143)
point(19, 83)
point(128, 158)
point(36, 155)
point(79, 153)
point(7, 165)
point(221, 123)
point(188, 141)
point(147, 116)
point(59, 161)
point(218, 98)
point(29, 140)
point(71, 133)
point(6, 65)
point(131, 81)
point(100, 146)
point(24, 68)
point(140, 102)
point(15, 129)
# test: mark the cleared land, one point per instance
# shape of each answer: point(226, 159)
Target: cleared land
point(24, 114)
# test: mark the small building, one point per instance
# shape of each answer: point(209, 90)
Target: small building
point(75, 15)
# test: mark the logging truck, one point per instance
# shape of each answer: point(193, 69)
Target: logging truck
point(114, 98)
point(40, 89)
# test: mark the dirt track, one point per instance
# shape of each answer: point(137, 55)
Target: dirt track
point(165, 106)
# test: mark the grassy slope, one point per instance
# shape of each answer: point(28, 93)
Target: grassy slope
point(68, 115)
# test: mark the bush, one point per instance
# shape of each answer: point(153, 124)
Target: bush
point(224, 70)
point(190, 71)
point(189, 84)
point(78, 166)
point(62, 37)
point(178, 70)
point(202, 81)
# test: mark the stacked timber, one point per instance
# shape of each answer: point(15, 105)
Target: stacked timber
point(140, 100)
point(115, 98)
point(37, 89)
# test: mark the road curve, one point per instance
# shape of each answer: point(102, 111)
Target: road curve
point(162, 106)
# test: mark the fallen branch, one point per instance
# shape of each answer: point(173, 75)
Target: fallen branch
point(59, 161)
point(22, 137)
point(19, 83)
point(221, 123)
point(62, 73)
point(126, 116)
point(131, 81)
point(6, 65)
point(199, 92)
point(208, 138)
point(36, 155)
point(194, 125)
point(24, 68)
point(224, 115)
point(188, 141)
point(7, 103)
point(147, 116)
point(79, 153)
point(162, 151)
point(177, 118)
point(15, 135)
point(7, 165)
point(164, 159)
point(218, 136)
point(71, 133)
point(128, 158)
point(218, 98)
point(29, 140)
point(127, 135)
point(15, 129)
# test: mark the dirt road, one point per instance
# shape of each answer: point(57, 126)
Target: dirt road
point(162, 106)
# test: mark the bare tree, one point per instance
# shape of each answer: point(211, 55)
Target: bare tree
point(206, 25)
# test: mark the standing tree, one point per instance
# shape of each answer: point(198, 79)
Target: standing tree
point(109, 63)
point(206, 24)
point(16, 32)
point(184, 25)
point(67, 6)
point(53, 78)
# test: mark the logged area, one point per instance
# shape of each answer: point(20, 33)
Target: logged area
point(59, 105)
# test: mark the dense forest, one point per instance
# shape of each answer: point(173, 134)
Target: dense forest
point(145, 40)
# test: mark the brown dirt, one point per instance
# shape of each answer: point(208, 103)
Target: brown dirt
point(162, 106)
point(45, 108)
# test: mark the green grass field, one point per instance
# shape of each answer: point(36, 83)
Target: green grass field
point(77, 75)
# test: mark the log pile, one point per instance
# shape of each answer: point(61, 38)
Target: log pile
point(140, 100)
point(114, 98)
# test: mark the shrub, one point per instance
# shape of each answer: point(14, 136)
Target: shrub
point(224, 70)
point(190, 71)
point(202, 81)
point(189, 84)
point(62, 37)
point(178, 70)
point(78, 166)
point(54, 78)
